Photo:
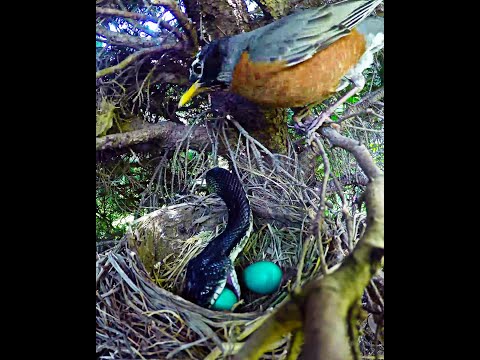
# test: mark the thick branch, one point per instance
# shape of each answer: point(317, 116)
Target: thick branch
point(192, 9)
point(224, 17)
point(332, 303)
point(165, 134)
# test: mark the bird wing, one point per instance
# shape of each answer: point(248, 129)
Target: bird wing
point(296, 38)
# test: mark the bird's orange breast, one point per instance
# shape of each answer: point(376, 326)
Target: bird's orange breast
point(311, 81)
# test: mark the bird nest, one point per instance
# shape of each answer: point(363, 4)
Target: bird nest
point(139, 311)
point(137, 319)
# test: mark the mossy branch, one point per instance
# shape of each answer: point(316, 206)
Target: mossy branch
point(331, 304)
point(274, 8)
point(165, 135)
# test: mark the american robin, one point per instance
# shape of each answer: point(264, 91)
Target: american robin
point(296, 61)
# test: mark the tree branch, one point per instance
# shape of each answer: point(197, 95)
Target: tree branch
point(135, 56)
point(138, 16)
point(165, 134)
point(135, 42)
point(332, 303)
point(364, 104)
point(182, 19)
point(358, 150)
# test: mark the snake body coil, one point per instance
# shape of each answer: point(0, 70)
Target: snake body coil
point(210, 271)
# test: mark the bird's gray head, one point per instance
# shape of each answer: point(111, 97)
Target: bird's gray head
point(206, 70)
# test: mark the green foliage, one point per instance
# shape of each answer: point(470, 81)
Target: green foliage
point(118, 194)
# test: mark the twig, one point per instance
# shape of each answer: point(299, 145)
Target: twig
point(364, 129)
point(357, 149)
point(346, 214)
point(134, 57)
point(365, 103)
point(252, 139)
point(318, 222)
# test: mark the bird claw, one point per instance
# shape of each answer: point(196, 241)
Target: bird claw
point(300, 128)
point(321, 120)
point(324, 118)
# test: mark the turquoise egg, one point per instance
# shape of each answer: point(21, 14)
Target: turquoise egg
point(225, 301)
point(262, 277)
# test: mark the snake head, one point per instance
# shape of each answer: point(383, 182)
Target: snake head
point(205, 280)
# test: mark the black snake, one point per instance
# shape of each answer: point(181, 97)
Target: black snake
point(211, 270)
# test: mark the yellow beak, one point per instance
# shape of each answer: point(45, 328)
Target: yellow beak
point(194, 90)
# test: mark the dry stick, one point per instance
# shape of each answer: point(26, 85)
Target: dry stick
point(346, 213)
point(345, 118)
point(364, 129)
point(325, 115)
point(255, 141)
point(377, 294)
point(230, 151)
point(136, 23)
point(319, 217)
point(301, 263)
point(165, 133)
point(257, 155)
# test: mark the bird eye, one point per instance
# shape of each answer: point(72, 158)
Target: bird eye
point(197, 68)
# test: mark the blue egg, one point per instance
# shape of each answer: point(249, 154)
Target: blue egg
point(225, 301)
point(263, 277)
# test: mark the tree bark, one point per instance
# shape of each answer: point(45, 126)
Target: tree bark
point(224, 17)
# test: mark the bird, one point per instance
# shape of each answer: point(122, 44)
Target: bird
point(296, 61)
